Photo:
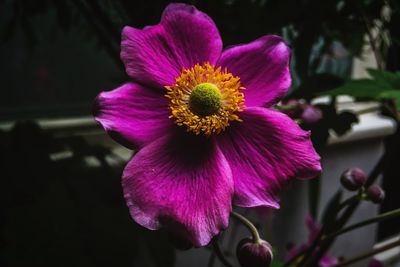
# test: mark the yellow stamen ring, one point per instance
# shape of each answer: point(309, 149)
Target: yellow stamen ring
point(205, 99)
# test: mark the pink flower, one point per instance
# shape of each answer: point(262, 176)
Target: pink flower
point(307, 113)
point(204, 142)
point(311, 114)
point(314, 229)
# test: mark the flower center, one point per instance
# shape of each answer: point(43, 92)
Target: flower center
point(205, 99)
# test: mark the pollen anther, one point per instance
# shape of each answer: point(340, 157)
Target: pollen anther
point(205, 99)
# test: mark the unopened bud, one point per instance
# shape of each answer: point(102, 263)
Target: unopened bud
point(311, 114)
point(353, 178)
point(252, 254)
point(375, 193)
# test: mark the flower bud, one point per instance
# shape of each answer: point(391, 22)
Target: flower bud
point(251, 254)
point(353, 178)
point(293, 108)
point(375, 193)
point(311, 114)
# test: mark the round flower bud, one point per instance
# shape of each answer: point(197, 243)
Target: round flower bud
point(353, 178)
point(375, 193)
point(311, 114)
point(251, 254)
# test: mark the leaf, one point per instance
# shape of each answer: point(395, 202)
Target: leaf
point(392, 94)
point(374, 88)
point(391, 79)
point(365, 88)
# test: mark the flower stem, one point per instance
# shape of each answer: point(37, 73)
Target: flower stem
point(249, 225)
point(220, 254)
point(377, 170)
point(381, 217)
point(368, 254)
point(234, 231)
point(348, 212)
point(350, 200)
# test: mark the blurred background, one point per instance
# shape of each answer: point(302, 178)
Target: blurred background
point(60, 196)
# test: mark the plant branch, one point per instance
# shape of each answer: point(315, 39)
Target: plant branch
point(234, 232)
point(347, 202)
point(249, 225)
point(377, 170)
point(368, 254)
point(379, 218)
point(309, 250)
point(347, 213)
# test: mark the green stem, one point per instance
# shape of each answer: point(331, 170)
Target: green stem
point(234, 232)
point(377, 170)
point(249, 225)
point(369, 254)
point(381, 217)
point(349, 201)
point(220, 254)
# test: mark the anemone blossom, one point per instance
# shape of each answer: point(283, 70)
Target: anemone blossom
point(201, 121)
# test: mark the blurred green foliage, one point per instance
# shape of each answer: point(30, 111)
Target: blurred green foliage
point(382, 85)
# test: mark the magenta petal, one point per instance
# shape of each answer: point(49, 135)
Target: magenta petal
point(263, 68)
point(156, 55)
point(182, 182)
point(264, 152)
point(132, 114)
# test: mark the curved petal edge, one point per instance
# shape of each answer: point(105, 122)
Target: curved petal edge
point(183, 183)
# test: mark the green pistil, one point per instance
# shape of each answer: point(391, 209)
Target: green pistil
point(205, 99)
